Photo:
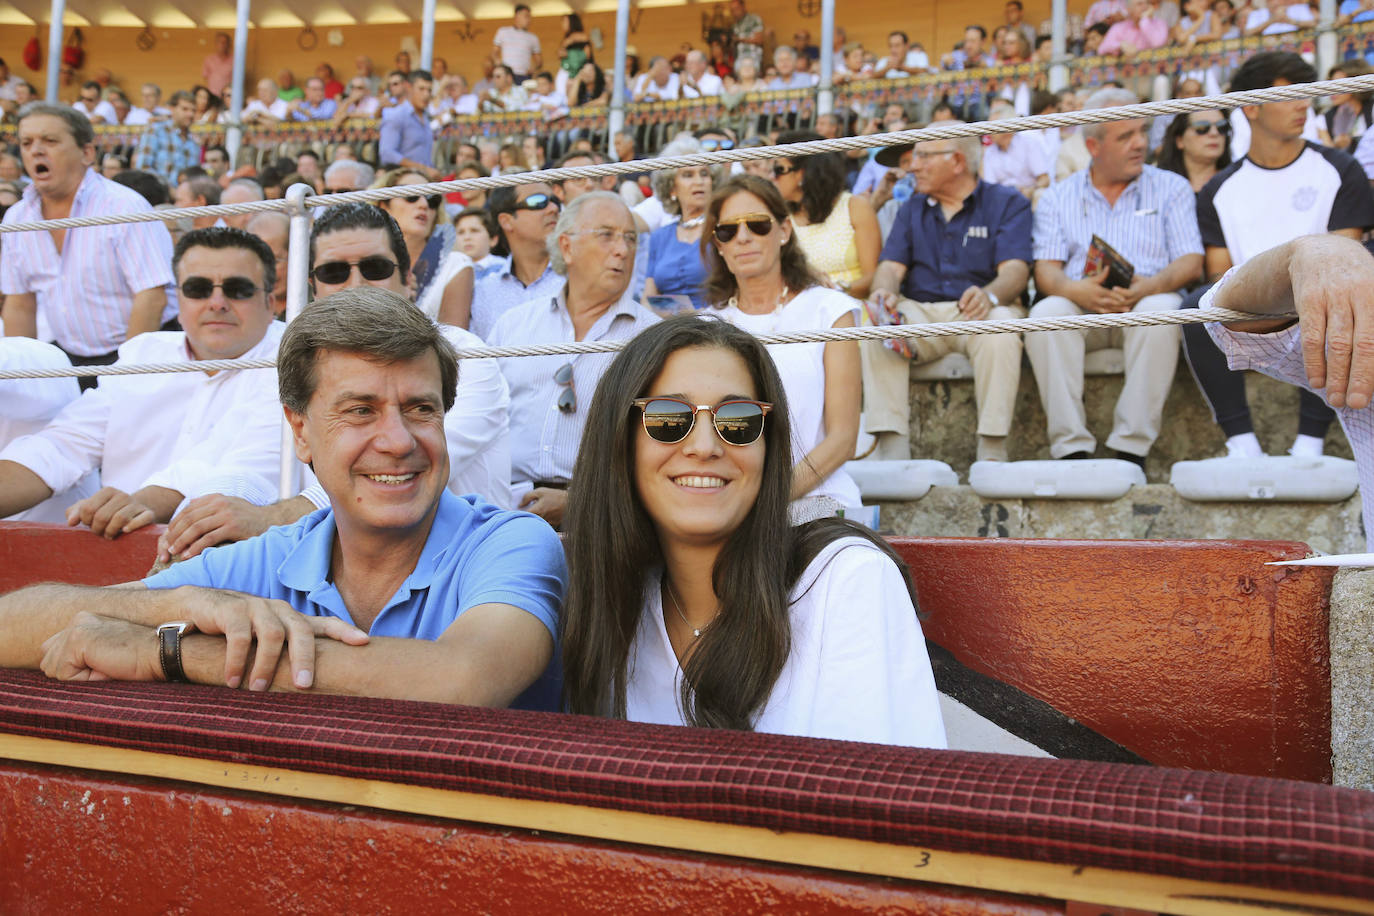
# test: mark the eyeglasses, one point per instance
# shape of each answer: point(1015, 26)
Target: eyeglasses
point(534, 202)
point(236, 288)
point(1203, 128)
point(373, 269)
point(924, 154)
point(712, 144)
point(434, 200)
point(780, 170)
point(567, 399)
point(607, 236)
point(759, 224)
point(670, 420)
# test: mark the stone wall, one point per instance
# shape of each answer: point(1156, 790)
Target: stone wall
point(1352, 679)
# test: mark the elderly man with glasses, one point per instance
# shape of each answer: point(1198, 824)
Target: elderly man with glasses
point(959, 250)
point(592, 250)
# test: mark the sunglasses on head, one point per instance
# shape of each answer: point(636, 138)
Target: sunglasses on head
point(534, 202)
point(1203, 128)
point(434, 200)
point(567, 398)
point(759, 224)
point(336, 272)
point(670, 420)
point(237, 288)
point(712, 144)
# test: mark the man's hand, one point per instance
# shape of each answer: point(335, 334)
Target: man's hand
point(210, 520)
point(886, 302)
point(974, 304)
point(97, 648)
point(547, 503)
point(246, 619)
point(1331, 280)
point(110, 513)
point(1091, 295)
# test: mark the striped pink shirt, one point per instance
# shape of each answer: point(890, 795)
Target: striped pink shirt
point(86, 293)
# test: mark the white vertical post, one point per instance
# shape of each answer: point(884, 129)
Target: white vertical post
point(1059, 32)
point(427, 39)
point(825, 95)
point(233, 138)
point(59, 10)
point(622, 38)
point(1328, 50)
point(297, 295)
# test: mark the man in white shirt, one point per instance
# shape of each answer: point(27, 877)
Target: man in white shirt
point(93, 107)
point(358, 101)
point(593, 246)
point(152, 102)
point(902, 60)
point(697, 79)
point(265, 107)
point(657, 84)
point(126, 114)
point(159, 439)
point(517, 47)
point(1015, 159)
point(505, 93)
point(363, 244)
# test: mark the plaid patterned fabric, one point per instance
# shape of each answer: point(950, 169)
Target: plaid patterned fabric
point(1207, 826)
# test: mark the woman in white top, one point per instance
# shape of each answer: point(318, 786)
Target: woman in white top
point(758, 278)
point(692, 601)
point(444, 277)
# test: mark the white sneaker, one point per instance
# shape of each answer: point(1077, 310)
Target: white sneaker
point(1246, 445)
point(1307, 447)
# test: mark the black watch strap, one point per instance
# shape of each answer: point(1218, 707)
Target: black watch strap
point(169, 649)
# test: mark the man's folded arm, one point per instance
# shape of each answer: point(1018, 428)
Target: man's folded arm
point(30, 615)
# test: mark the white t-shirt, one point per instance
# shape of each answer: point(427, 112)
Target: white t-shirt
point(1018, 167)
point(278, 109)
point(708, 85)
point(1297, 12)
point(915, 59)
point(646, 87)
point(101, 109)
point(802, 368)
point(29, 405)
point(137, 117)
point(857, 671)
point(518, 47)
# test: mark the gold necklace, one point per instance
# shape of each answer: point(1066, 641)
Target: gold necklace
point(696, 631)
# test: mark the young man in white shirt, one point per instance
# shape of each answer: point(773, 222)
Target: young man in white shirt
point(902, 60)
point(93, 106)
point(517, 47)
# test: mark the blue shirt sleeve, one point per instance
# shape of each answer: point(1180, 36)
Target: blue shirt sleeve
point(519, 563)
point(389, 142)
point(1013, 241)
point(243, 566)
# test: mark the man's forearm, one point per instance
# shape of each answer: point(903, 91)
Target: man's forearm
point(20, 488)
point(1178, 274)
point(20, 313)
point(1010, 281)
point(29, 616)
point(1263, 284)
point(161, 500)
point(146, 315)
point(888, 277)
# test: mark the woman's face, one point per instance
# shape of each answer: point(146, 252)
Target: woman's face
point(698, 491)
point(854, 60)
point(746, 71)
point(472, 238)
point(473, 198)
point(788, 178)
point(1339, 98)
point(414, 217)
point(531, 147)
point(692, 188)
point(1208, 146)
point(1008, 45)
point(588, 73)
point(507, 159)
point(748, 255)
point(763, 168)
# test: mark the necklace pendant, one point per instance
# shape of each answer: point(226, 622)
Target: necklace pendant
point(696, 634)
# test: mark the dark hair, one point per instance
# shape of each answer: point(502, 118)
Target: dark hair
point(205, 186)
point(91, 84)
point(598, 87)
point(1042, 40)
point(308, 152)
point(361, 216)
point(217, 148)
point(224, 237)
point(824, 178)
point(509, 71)
point(942, 106)
point(1015, 3)
point(181, 95)
point(612, 544)
point(1100, 28)
point(905, 39)
point(376, 324)
point(191, 171)
point(979, 29)
point(720, 283)
point(521, 8)
point(1042, 99)
point(149, 186)
point(1171, 157)
point(481, 215)
point(544, 75)
point(421, 75)
point(78, 125)
point(1261, 70)
point(574, 23)
point(401, 73)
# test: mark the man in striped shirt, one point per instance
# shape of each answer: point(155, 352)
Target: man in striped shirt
point(93, 287)
point(1149, 217)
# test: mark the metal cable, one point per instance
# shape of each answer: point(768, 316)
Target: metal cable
point(909, 331)
point(1354, 84)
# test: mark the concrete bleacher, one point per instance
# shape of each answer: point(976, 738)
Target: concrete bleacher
point(943, 421)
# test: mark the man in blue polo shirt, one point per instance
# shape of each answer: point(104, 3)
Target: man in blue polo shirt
point(400, 590)
point(959, 250)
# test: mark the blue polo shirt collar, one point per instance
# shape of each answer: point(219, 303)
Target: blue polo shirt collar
point(970, 203)
point(306, 567)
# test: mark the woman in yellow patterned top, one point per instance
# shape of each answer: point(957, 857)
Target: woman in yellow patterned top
point(837, 230)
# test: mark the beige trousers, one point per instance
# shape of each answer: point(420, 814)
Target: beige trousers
point(1056, 357)
point(996, 360)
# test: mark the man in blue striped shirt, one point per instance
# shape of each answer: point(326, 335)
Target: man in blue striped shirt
point(1147, 215)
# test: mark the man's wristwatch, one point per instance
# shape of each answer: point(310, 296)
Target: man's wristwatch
point(169, 649)
point(992, 297)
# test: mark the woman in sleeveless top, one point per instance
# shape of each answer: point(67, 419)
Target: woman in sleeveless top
point(837, 231)
point(443, 276)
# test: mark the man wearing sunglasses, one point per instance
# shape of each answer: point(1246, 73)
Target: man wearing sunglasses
point(161, 439)
point(1284, 187)
point(355, 245)
point(525, 215)
point(592, 250)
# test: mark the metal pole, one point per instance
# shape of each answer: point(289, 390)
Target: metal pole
point(59, 10)
point(1328, 50)
point(825, 96)
point(622, 38)
point(427, 39)
point(297, 295)
point(1059, 32)
point(233, 139)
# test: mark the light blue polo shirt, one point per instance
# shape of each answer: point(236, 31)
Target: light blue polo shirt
point(475, 554)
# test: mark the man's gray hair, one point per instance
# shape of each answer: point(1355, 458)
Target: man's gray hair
point(1110, 97)
point(569, 222)
point(971, 148)
point(205, 187)
point(684, 144)
point(370, 322)
point(78, 125)
point(784, 51)
point(363, 174)
point(250, 185)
